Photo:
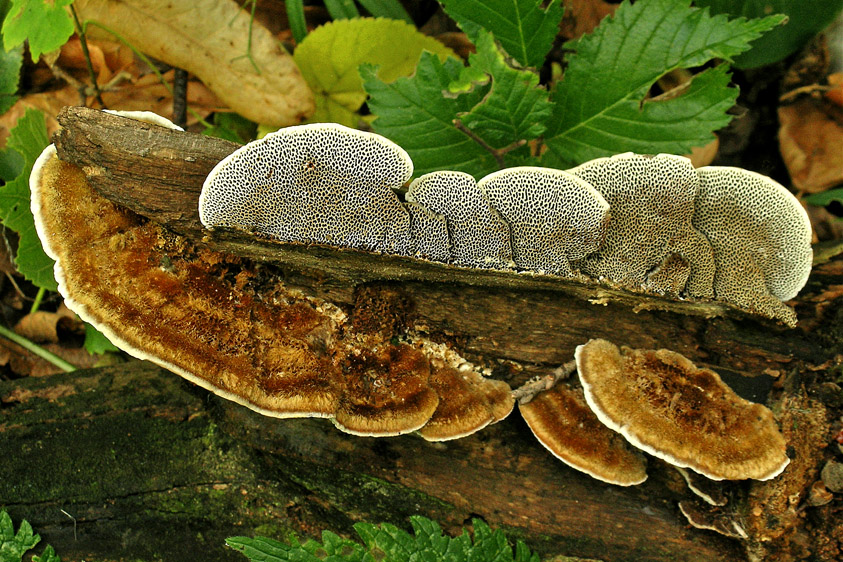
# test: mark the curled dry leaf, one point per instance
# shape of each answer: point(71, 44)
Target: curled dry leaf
point(43, 326)
point(810, 138)
point(210, 38)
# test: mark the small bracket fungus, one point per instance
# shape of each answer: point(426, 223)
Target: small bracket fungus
point(479, 236)
point(761, 237)
point(555, 216)
point(651, 201)
point(661, 403)
point(319, 183)
point(714, 519)
point(562, 422)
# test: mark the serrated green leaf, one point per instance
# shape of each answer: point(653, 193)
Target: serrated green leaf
point(525, 29)
point(28, 138)
point(806, 18)
point(600, 106)
point(46, 25)
point(413, 113)
point(826, 197)
point(14, 545)
point(49, 555)
point(10, 64)
point(515, 107)
point(330, 55)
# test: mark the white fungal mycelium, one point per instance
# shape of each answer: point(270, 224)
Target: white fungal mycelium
point(648, 223)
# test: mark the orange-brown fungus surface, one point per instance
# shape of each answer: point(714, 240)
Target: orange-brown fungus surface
point(202, 315)
point(562, 422)
point(662, 403)
point(471, 403)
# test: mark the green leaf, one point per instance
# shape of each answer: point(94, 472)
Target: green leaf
point(826, 197)
point(96, 343)
point(49, 555)
point(233, 127)
point(600, 106)
point(330, 55)
point(387, 9)
point(46, 25)
point(332, 549)
point(806, 18)
point(342, 9)
point(515, 107)
point(295, 15)
point(10, 64)
point(14, 545)
point(413, 113)
point(525, 29)
point(28, 138)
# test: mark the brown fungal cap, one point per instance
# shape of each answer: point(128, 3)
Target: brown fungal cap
point(651, 201)
point(319, 183)
point(468, 403)
point(555, 217)
point(562, 422)
point(761, 237)
point(479, 237)
point(661, 403)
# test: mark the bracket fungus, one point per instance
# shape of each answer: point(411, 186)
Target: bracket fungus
point(663, 404)
point(761, 237)
point(479, 237)
point(238, 331)
point(562, 421)
point(555, 217)
point(320, 183)
point(652, 201)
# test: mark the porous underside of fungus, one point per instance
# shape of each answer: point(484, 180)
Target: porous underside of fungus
point(555, 217)
point(479, 237)
point(320, 183)
point(761, 237)
point(236, 331)
point(562, 422)
point(662, 403)
point(651, 201)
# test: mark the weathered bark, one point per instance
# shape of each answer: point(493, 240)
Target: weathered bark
point(304, 475)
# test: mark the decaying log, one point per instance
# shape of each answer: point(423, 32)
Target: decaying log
point(303, 475)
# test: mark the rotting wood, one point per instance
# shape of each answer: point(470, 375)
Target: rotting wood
point(518, 328)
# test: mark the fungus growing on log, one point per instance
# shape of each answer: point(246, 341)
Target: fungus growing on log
point(320, 183)
point(555, 217)
point(479, 236)
point(218, 322)
point(663, 404)
point(761, 237)
point(651, 201)
point(562, 422)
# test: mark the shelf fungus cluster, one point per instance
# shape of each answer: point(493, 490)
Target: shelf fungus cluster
point(645, 223)
point(659, 402)
point(230, 327)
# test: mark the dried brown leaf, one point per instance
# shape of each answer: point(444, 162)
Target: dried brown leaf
point(810, 138)
point(209, 38)
point(582, 16)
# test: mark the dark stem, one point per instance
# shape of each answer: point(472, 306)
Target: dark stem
point(180, 98)
point(497, 153)
point(83, 41)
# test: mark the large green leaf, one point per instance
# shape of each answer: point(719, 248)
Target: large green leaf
point(330, 55)
point(525, 29)
point(45, 24)
point(414, 113)
point(600, 103)
point(10, 64)
point(806, 18)
point(28, 138)
point(515, 107)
